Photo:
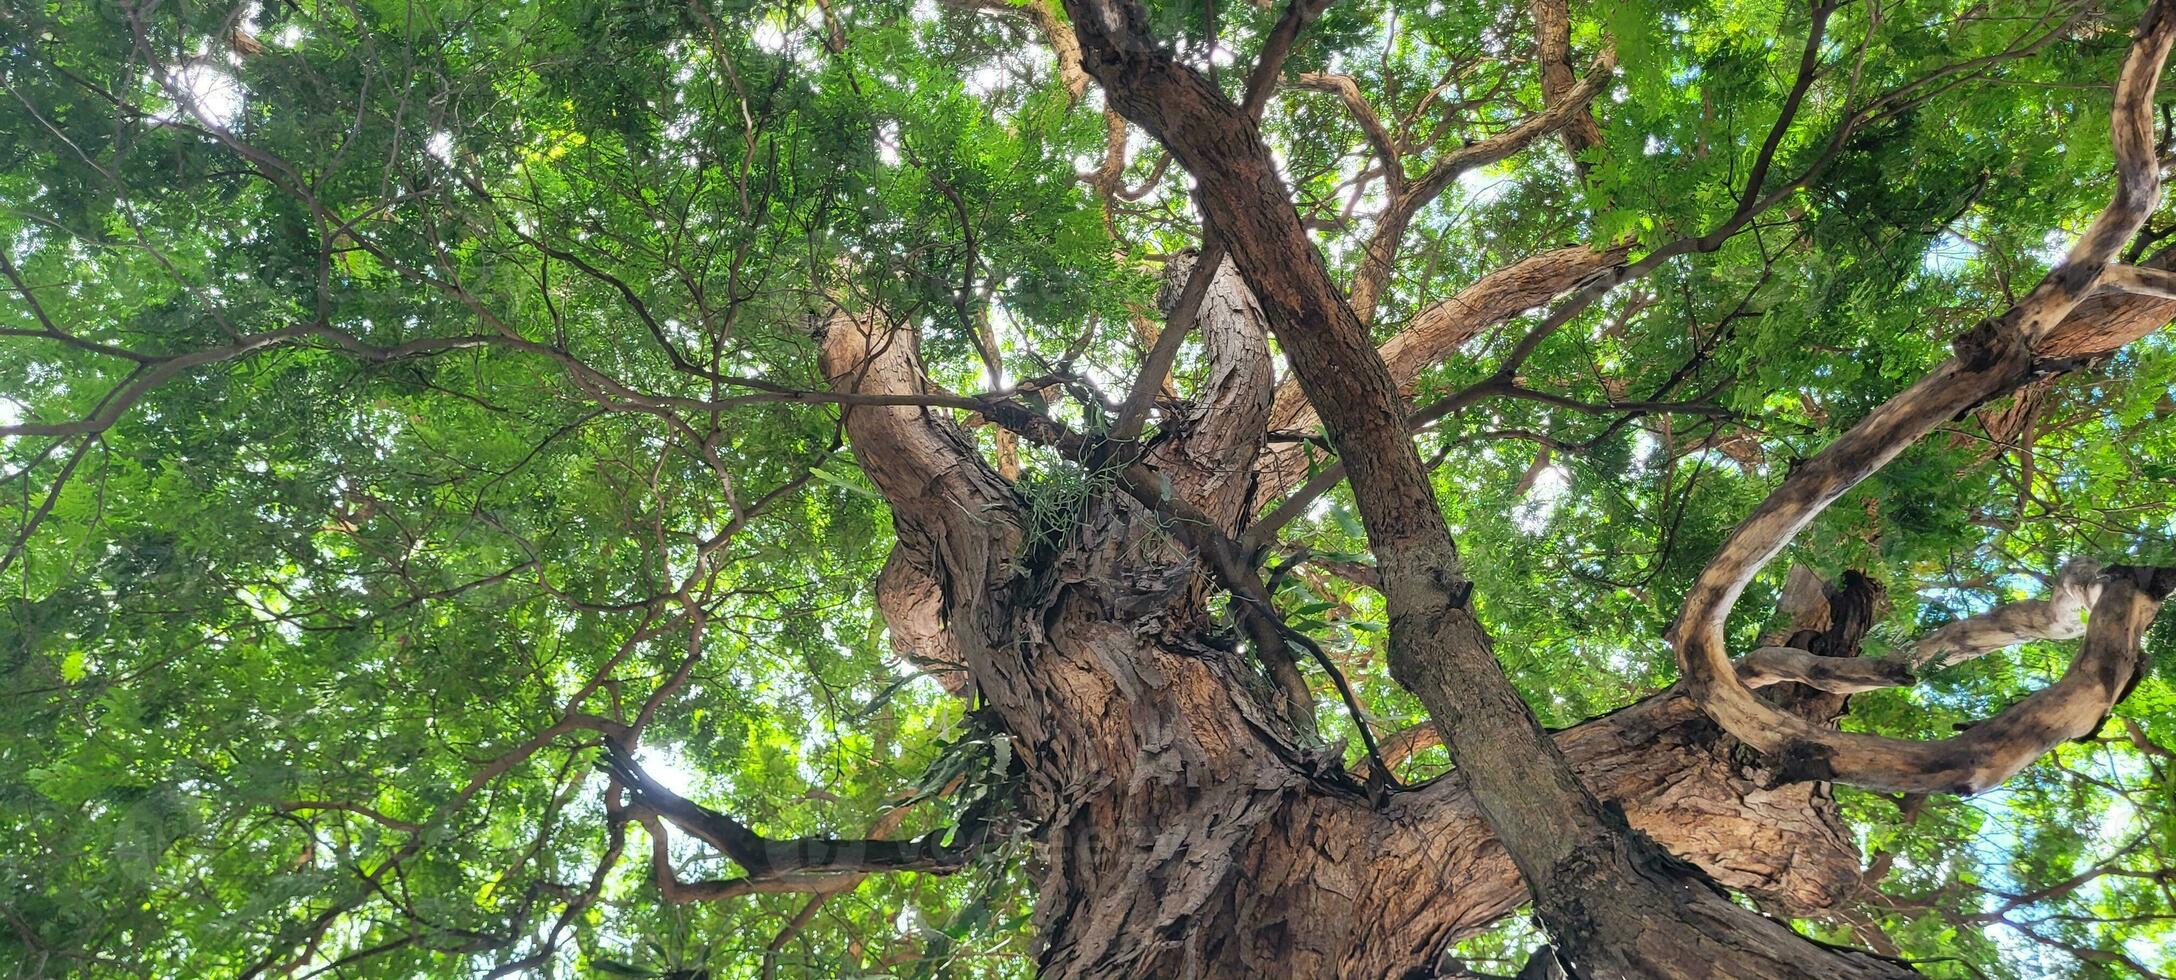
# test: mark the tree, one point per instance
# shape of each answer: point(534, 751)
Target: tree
point(1098, 489)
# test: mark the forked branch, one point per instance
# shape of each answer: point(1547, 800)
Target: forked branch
point(2061, 615)
point(1992, 359)
point(954, 515)
point(1437, 332)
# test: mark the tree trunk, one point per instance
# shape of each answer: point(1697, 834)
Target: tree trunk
point(1188, 821)
point(1183, 831)
point(1614, 902)
point(1183, 826)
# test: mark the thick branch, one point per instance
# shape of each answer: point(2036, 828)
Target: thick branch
point(1210, 443)
point(954, 516)
point(2059, 616)
point(1687, 787)
point(1180, 314)
point(1437, 332)
point(2112, 318)
point(1569, 105)
point(2140, 281)
point(2107, 666)
point(1992, 359)
point(913, 607)
point(1678, 783)
point(1768, 666)
point(1553, 49)
point(1275, 49)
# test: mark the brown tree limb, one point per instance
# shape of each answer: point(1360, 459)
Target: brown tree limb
point(2139, 280)
point(1991, 751)
point(1769, 666)
point(1055, 33)
point(1437, 332)
point(1380, 140)
point(1298, 14)
point(1156, 367)
point(885, 825)
point(913, 606)
point(1682, 785)
point(1992, 359)
point(1570, 104)
point(1209, 444)
point(1553, 50)
point(776, 865)
point(1379, 255)
point(2109, 319)
point(1616, 904)
point(2058, 616)
point(955, 518)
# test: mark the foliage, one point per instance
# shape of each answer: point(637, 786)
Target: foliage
point(488, 319)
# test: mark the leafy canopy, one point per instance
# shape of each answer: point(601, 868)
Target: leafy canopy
point(384, 380)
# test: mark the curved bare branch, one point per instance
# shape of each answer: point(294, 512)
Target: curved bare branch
point(1212, 445)
point(2060, 615)
point(955, 516)
point(1992, 359)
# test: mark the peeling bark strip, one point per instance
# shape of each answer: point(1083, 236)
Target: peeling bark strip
point(1174, 838)
point(1616, 904)
point(956, 518)
point(1992, 359)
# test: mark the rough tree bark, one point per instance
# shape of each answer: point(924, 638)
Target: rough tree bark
point(1186, 828)
point(1615, 903)
point(1187, 823)
point(1996, 357)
